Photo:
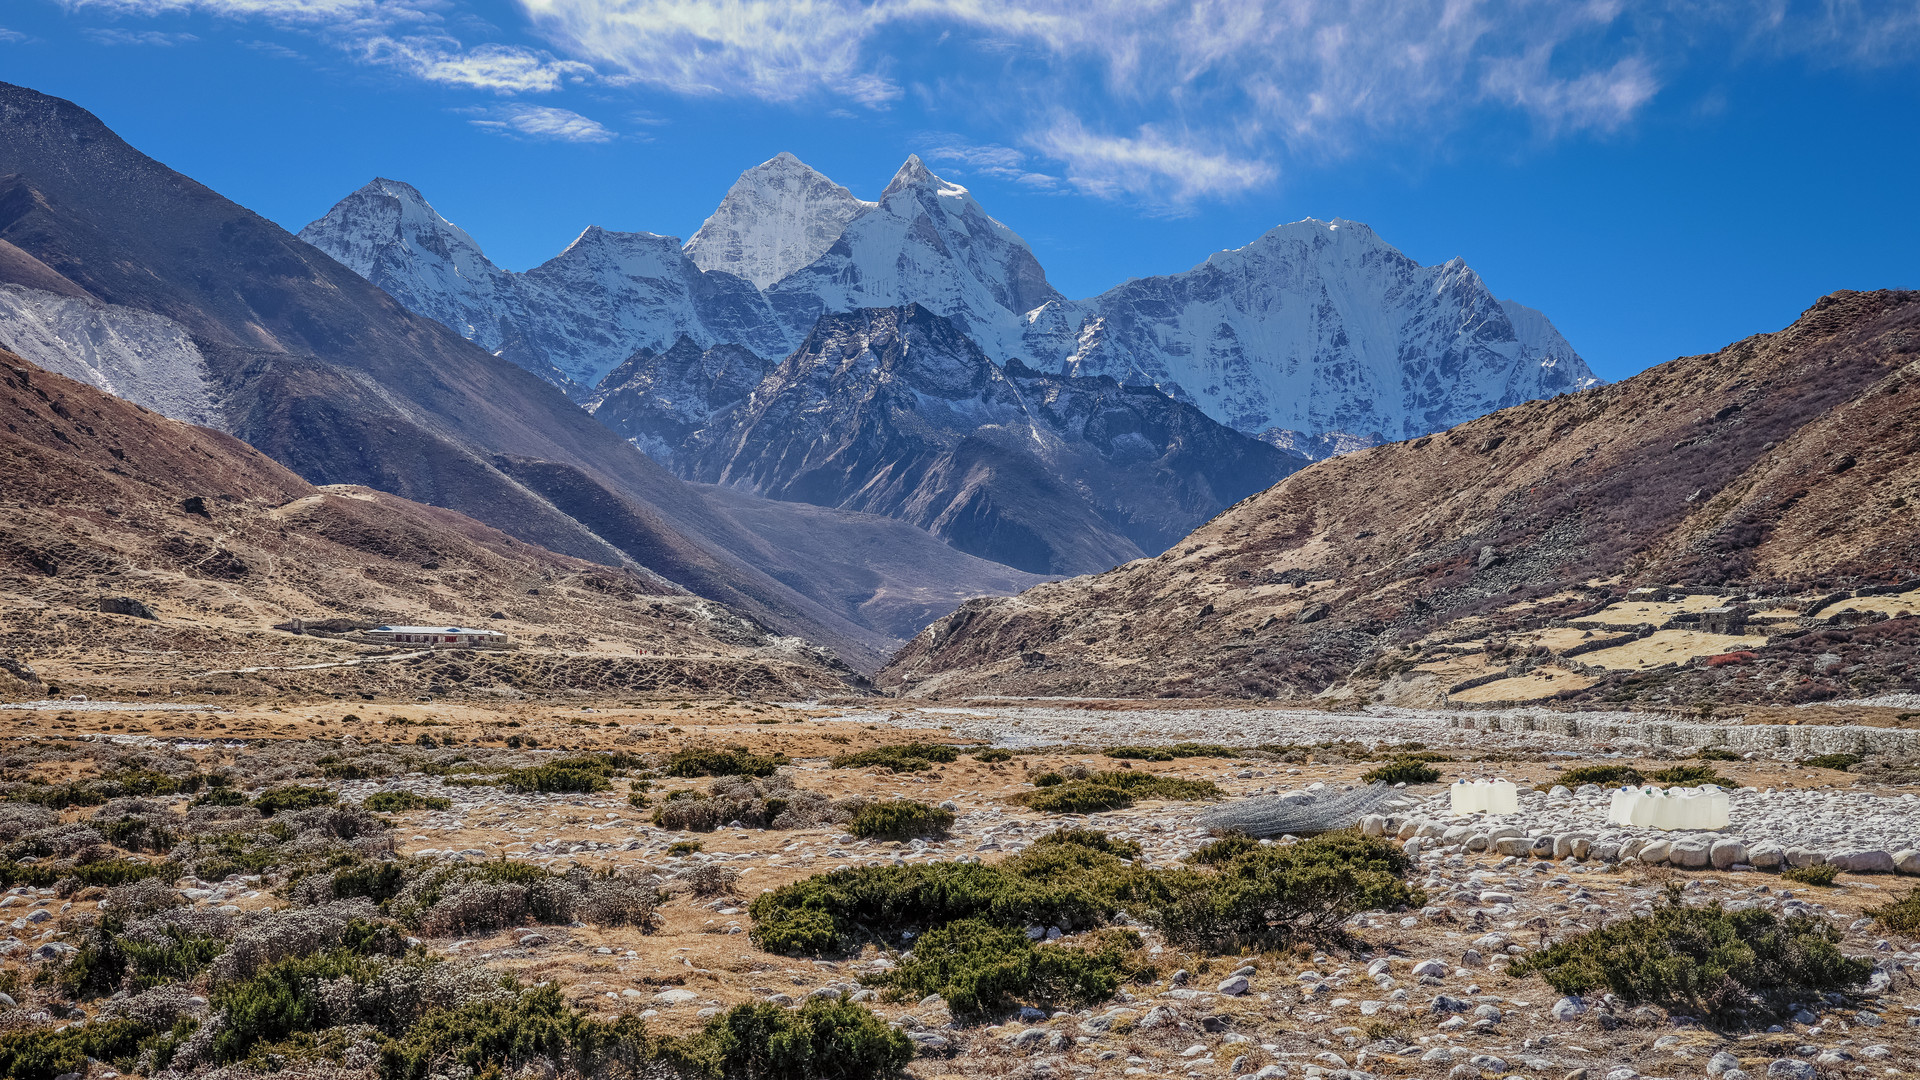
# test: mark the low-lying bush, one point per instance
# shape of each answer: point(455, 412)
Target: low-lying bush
point(1604, 775)
point(554, 778)
point(1628, 776)
point(39, 1054)
point(836, 911)
point(899, 819)
point(993, 754)
point(1714, 753)
point(1258, 896)
point(1730, 968)
point(771, 802)
point(1821, 874)
point(1169, 753)
point(1272, 896)
point(1112, 790)
point(1901, 916)
point(1837, 762)
point(722, 761)
point(389, 802)
point(294, 798)
point(986, 970)
point(1402, 770)
point(1092, 840)
point(900, 757)
point(822, 1040)
point(1689, 776)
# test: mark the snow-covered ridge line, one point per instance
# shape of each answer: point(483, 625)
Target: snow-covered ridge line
point(1318, 336)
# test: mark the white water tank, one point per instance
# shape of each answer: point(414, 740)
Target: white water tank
point(1484, 797)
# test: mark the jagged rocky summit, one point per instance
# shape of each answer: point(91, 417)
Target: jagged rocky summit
point(1318, 337)
point(896, 411)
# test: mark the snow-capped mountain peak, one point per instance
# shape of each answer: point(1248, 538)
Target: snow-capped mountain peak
point(1315, 328)
point(389, 234)
point(1319, 327)
point(779, 216)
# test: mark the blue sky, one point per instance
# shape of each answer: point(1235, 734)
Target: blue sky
point(1661, 178)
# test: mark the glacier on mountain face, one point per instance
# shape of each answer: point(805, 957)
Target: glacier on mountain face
point(145, 358)
point(927, 242)
point(571, 319)
point(1317, 327)
point(778, 217)
point(1318, 336)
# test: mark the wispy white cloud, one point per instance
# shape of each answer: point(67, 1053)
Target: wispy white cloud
point(114, 35)
point(502, 68)
point(8, 37)
point(1193, 97)
point(542, 122)
point(1168, 100)
point(1149, 160)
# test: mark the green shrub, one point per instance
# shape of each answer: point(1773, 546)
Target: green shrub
point(1837, 762)
point(1689, 776)
point(39, 1054)
point(494, 1038)
point(899, 819)
point(993, 754)
point(822, 1040)
point(900, 757)
point(1272, 896)
point(1821, 874)
point(473, 781)
point(727, 761)
point(1604, 775)
point(57, 796)
point(220, 796)
point(1403, 770)
point(986, 970)
point(836, 911)
point(1093, 840)
point(294, 798)
point(378, 882)
point(388, 802)
point(683, 847)
point(1714, 753)
point(554, 778)
point(1113, 790)
point(137, 834)
point(1224, 850)
point(1730, 968)
point(1169, 753)
point(106, 873)
point(1901, 916)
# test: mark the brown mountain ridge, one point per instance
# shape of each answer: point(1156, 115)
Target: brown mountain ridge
point(1766, 477)
point(213, 542)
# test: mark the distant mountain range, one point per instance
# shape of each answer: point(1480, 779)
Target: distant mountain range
point(1316, 336)
point(125, 274)
point(867, 412)
point(895, 411)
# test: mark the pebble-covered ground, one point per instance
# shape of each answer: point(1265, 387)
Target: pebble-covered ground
point(1419, 994)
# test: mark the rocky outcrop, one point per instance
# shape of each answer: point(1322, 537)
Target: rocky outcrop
point(895, 411)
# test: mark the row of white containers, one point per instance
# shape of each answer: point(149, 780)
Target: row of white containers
point(1644, 807)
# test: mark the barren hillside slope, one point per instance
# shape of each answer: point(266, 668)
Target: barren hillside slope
point(1777, 470)
point(215, 543)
